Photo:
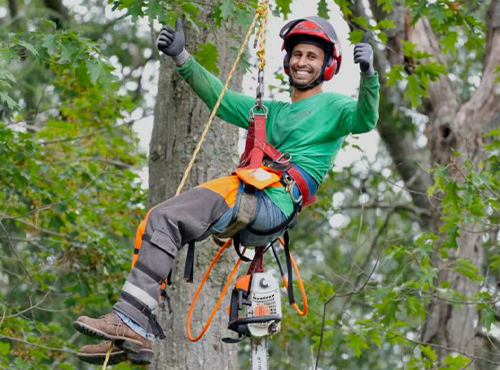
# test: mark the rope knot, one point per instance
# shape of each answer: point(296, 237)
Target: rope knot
point(262, 10)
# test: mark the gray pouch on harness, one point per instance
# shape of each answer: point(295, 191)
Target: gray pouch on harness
point(245, 213)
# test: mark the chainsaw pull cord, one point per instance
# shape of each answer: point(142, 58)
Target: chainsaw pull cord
point(219, 301)
point(294, 304)
point(261, 12)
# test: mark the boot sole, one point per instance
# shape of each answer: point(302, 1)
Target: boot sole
point(141, 358)
point(98, 358)
point(128, 345)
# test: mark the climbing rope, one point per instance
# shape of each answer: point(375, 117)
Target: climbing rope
point(261, 12)
point(108, 354)
point(261, 35)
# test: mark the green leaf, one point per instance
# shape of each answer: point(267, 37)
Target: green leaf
point(437, 15)
point(28, 46)
point(50, 43)
point(428, 352)
point(5, 74)
point(409, 50)
point(414, 90)
point(466, 268)
point(456, 362)
point(154, 10)
point(395, 74)
point(357, 343)
point(360, 21)
point(5, 98)
point(283, 7)
point(323, 9)
point(67, 53)
point(94, 70)
point(208, 56)
point(387, 5)
point(356, 36)
point(488, 316)
point(449, 41)
point(4, 348)
point(385, 24)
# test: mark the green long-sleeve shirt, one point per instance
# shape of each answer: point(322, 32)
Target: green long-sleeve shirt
point(311, 130)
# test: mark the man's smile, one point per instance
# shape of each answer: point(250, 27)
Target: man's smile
point(302, 73)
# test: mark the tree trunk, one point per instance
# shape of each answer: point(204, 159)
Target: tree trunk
point(180, 117)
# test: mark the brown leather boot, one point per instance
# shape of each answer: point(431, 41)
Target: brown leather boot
point(96, 354)
point(112, 327)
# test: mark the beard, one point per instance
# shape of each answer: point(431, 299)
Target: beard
point(305, 85)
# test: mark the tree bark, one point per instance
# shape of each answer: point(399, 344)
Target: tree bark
point(179, 119)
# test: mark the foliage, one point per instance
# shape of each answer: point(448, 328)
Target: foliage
point(70, 197)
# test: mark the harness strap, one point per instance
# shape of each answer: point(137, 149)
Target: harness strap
point(257, 264)
point(189, 266)
point(237, 245)
point(153, 275)
point(134, 302)
point(286, 246)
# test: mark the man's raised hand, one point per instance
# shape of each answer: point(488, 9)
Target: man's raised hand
point(363, 54)
point(171, 42)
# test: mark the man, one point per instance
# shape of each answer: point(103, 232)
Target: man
point(309, 131)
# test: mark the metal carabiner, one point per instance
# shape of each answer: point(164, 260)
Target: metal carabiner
point(289, 183)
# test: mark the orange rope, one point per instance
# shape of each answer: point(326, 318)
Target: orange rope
point(200, 287)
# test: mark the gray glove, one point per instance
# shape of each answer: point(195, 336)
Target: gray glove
point(363, 54)
point(172, 42)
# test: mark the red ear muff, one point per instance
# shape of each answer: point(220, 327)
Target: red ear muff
point(330, 70)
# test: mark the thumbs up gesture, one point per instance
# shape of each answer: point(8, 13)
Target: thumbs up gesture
point(171, 42)
point(363, 54)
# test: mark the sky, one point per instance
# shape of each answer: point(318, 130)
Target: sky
point(346, 82)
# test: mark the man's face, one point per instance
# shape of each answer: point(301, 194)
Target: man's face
point(306, 63)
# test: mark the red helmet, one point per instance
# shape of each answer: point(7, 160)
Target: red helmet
point(317, 31)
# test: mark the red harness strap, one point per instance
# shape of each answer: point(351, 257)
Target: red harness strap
point(256, 147)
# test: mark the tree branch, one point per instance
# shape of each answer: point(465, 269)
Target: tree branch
point(37, 345)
